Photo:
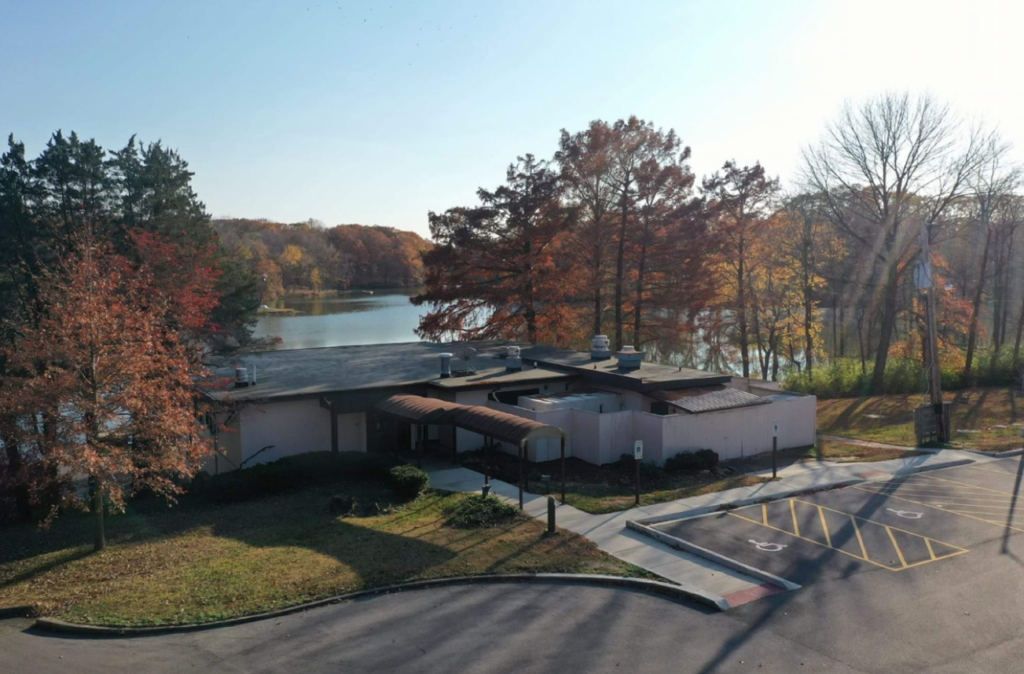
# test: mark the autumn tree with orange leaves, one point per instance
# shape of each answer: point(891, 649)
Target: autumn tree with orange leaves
point(492, 272)
point(119, 375)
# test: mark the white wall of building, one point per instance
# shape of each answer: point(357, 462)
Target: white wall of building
point(603, 438)
point(297, 427)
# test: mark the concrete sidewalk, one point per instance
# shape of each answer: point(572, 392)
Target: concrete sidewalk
point(694, 573)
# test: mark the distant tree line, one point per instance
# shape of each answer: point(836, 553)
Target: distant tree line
point(310, 256)
point(615, 234)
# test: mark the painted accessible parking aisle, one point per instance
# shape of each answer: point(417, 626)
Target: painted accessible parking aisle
point(900, 525)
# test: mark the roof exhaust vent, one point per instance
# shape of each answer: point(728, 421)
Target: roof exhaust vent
point(630, 358)
point(446, 365)
point(513, 361)
point(241, 376)
point(600, 348)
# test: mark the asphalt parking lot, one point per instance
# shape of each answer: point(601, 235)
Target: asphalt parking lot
point(901, 526)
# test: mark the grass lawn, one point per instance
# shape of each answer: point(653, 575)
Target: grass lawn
point(598, 499)
point(201, 562)
point(828, 450)
point(606, 489)
point(986, 419)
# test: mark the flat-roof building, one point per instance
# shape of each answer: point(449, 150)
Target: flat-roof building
point(293, 401)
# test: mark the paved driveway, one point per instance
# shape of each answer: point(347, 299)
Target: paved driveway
point(492, 629)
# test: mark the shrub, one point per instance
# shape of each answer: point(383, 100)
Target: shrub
point(409, 481)
point(709, 456)
point(648, 469)
point(477, 512)
point(702, 459)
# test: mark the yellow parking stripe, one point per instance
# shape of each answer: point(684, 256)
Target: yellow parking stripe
point(946, 498)
point(811, 540)
point(990, 470)
point(958, 492)
point(944, 510)
point(896, 545)
point(824, 525)
point(860, 539)
point(966, 484)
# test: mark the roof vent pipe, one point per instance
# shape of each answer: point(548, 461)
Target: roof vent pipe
point(446, 365)
point(241, 376)
point(600, 348)
point(513, 361)
point(630, 358)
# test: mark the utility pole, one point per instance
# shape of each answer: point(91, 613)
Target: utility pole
point(925, 283)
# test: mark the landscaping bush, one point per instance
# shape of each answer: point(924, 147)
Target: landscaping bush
point(409, 481)
point(478, 512)
point(702, 459)
point(294, 472)
point(648, 469)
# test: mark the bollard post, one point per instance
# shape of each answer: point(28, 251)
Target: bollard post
point(775, 447)
point(551, 514)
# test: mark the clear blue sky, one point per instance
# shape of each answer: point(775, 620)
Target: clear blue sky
point(376, 112)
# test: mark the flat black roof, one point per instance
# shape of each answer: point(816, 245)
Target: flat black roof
point(648, 377)
point(295, 373)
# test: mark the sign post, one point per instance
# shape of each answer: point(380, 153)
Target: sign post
point(775, 447)
point(638, 457)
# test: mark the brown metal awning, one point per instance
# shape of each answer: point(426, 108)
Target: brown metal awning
point(483, 420)
point(419, 410)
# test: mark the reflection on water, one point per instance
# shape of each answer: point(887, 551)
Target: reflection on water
point(385, 317)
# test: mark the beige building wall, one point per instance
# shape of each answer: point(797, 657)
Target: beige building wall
point(293, 427)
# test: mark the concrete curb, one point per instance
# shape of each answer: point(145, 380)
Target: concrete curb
point(750, 500)
point(1008, 452)
point(727, 562)
point(652, 586)
point(936, 466)
point(25, 611)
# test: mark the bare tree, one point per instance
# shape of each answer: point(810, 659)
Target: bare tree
point(992, 184)
point(883, 167)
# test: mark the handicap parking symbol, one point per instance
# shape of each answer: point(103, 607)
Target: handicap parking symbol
point(909, 514)
point(767, 547)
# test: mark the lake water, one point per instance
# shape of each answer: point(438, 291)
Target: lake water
point(385, 317)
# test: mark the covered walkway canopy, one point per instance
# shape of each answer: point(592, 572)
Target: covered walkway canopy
point(488, 422)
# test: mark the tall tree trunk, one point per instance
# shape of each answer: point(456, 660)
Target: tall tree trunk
point(620, 272)
point(741, 309)
point(889, 301)
point(99, 539)
point(972, 331)
point(15, 464)
point(808, 325)
point(775, 358)
point(1016, 340)
point(638, 302)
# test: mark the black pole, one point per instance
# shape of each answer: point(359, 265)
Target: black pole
point(455, 446)
point(551, 514)
point(637, 462)
point(563, 468)
point(423, 442)
point(775, 446)
point(521, 446)
point(487, 472)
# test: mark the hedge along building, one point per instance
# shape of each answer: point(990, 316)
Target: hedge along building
point(307, 400)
